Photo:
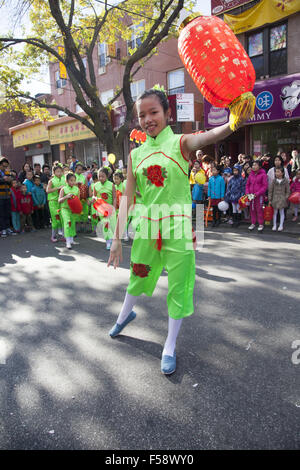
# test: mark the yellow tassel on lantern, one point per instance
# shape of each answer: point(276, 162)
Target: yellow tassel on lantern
point(241, 107)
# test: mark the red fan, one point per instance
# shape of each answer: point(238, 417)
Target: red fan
point(295, 198)
point(103, 208)
point(119, 195)
point(83, 191)
point(244, 201)
point(75, 205)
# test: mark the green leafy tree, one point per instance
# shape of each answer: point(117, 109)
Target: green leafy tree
point(78, 26)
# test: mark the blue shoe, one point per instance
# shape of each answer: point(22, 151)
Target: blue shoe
point(116, 329)
point(168, 364)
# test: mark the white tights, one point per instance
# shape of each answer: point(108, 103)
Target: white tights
point(281, 212)
point(173, 327)
point(236, 208)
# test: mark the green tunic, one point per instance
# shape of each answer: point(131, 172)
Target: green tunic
point(85, 208)
point(53, 202)
point(105, 192)
point(69, 219)
point(164, 233)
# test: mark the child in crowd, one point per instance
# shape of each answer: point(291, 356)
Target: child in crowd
point(106, 190)
point(295, 188)
point(119, 185)
point(257, 184)
point(54, 186)
point(93, 213)
point(197, 189)
point(15, 196)
point(279, 191)
point(216, 193)
point(234, 190)
point(81, 182)
point(26, 209)
point(69, 219)
point(278, 162)
point(29, 181)
point(39, 202)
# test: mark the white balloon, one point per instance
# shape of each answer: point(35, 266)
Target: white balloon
point(223, 206)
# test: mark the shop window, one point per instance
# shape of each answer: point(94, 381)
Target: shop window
point(176, 81)
point(267, 50)
point(137, 88)
point(60, 82)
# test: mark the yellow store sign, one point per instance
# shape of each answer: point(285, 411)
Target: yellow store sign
point(30, 135)
point(68, 132)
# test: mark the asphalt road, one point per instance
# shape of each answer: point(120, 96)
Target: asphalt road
point(65, 384)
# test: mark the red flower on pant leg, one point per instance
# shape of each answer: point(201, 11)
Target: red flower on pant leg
point(155, 174)
point(141, 270)
point(104, 196)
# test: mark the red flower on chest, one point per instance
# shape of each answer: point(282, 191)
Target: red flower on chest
point(155, 174)
point(104, 196)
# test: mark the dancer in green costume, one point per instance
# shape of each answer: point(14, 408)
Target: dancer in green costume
point(105, 190)
point(164, 236)
point(84, 217)
point(93, 213)
point(53, 188)
point(69, 219)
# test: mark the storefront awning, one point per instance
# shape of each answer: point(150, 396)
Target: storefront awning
point(29, 133)
point(265, 12)
point(68, 130)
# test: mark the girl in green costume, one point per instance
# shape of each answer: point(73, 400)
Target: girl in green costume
point(160, 169)
point(105, 190)
point(69, 219)
point(53, 188)
point(93, 213)
point(84, 217)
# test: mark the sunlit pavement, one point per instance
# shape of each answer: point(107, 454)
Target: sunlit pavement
point(65, 384)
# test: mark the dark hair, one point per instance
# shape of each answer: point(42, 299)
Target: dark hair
point(79, 164)
point(94, 176)
point(103, 170)
point(259, 162)
point(3, 160)
point(218, 168)
point(280, 158)
point(56, 166)
point(46, 166)
point(162, 97)
point(26, 163)
point(69, 175)
point(119, 174)
point(36, 164)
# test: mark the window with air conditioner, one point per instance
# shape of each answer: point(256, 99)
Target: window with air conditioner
point(137, 88)
point(176, 81)
point(60, 82)
point(106, 96)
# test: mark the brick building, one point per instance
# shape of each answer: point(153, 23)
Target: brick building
point(14, 155)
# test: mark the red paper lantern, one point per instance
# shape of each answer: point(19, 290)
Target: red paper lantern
point(83, 191)
point(25, 148)
point(268, 213)
point(71, 145)
point(75, 205)
point(295, 198)
point(216, 61)
point(103, 208)
point(39, 146)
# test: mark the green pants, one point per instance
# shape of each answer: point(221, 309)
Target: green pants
point(108, 226)
point(84, 217)
point(176, 255)
point(69, 222)
point(94, 216)
point(55, 217)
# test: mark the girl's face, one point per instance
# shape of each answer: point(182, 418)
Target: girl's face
point(58, 172)
point(249, 170)
point(14, 183)
point(79, 170)
point(71, 181)
point(215, 171)
point(102, 177)
point(151, 115)
point(283, 156)
point(117, 180)
point(278, 174)
point(26, 167)
point(29, 175)
point(255, 167)
point(277, 162)
point(246, 166)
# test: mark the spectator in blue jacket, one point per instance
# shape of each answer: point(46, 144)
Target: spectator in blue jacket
point(29, 181)
point(39, 202)
point(216, 193)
